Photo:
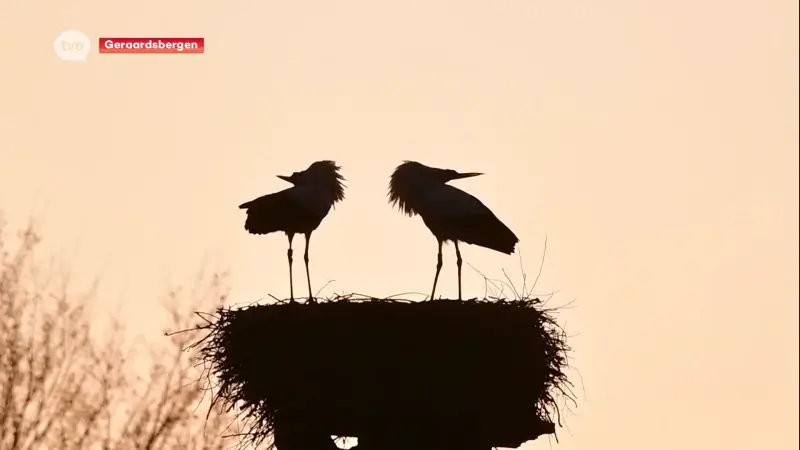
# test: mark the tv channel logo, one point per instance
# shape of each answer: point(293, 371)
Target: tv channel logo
point(72, 45)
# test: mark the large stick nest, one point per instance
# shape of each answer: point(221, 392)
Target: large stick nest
point(490, 368)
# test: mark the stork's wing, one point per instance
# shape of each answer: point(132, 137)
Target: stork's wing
point(266, 201)
point(483, 230)
point(449, 201)
point(312, 200)
point(271, 212)
point(460, 216)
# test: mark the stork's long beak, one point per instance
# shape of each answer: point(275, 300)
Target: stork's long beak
point(465, 175)
point(285, 178)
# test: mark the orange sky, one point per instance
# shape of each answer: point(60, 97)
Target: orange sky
point(655, 143)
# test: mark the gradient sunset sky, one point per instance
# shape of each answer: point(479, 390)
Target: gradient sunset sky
point(655, 143)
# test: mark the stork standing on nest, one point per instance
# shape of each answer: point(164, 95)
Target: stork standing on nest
point(299, 209)
point(450, 213)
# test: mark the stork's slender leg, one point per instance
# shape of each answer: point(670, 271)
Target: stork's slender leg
point(458, 263)
point(308, 275)
point(438, 269)
point(289, 255)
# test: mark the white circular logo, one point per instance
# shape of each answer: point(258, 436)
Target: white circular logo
point(72, 45)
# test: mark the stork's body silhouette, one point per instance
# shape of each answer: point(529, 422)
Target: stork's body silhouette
point(450, 213)
point(297, 210)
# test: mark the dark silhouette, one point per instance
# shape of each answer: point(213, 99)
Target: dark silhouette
point(436, 375)
point(450, 213)
point(299, 209)
point(291, 432)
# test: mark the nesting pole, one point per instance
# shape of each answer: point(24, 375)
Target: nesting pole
point(396, 374)
point(431, 375)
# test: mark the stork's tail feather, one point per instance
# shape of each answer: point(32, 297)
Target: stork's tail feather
point(485, 231)
point(261, 219)
point(260, 223)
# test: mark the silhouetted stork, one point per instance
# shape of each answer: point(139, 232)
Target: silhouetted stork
point(450, 213)
point(299, 209)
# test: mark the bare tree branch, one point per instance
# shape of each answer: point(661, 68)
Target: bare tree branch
point(63, 388)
